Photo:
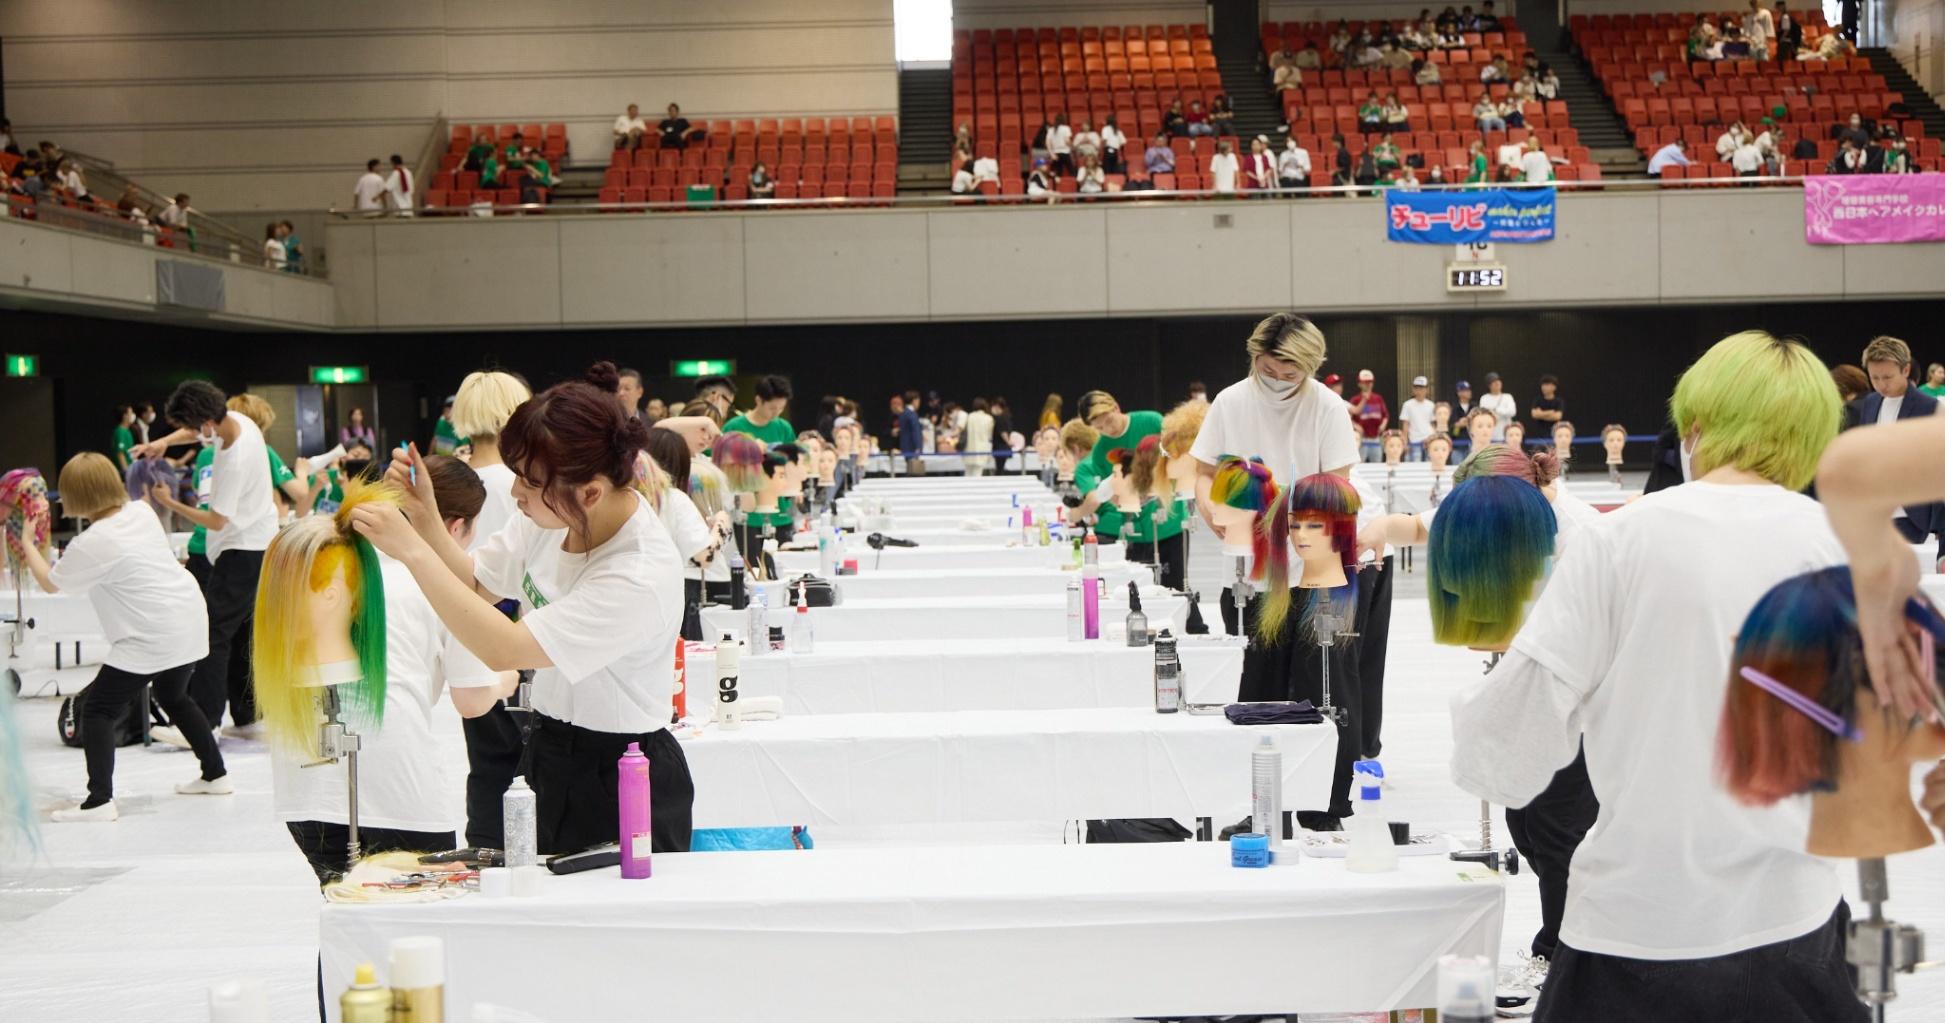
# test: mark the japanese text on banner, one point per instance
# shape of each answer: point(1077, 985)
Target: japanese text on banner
point(1860, 209)
point(1514, 215)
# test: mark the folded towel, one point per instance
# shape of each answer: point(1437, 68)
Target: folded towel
point(1299, 713)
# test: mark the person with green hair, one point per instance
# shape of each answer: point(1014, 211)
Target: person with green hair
point(1627, 651)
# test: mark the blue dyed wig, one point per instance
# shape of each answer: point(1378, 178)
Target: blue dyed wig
point(1489, 547)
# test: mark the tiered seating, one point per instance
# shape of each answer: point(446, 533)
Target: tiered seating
point(808, 157)
point(453, 186)
point(1640, 60)
point(1007, 82)
point(1441, 115)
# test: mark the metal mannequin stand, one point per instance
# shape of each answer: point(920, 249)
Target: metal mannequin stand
point(337, 742)
point(1500, 861)
point(1328, 630)
point(1879, 948)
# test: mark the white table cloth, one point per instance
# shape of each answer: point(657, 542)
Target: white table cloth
point(955, 934)
point(966, 484)
point(1003, 765)
point(939, 558)
point(921, 618)
point(946, 534)
point(975, 674)
point(881, 463)
point(890, 584)
point(66, 632)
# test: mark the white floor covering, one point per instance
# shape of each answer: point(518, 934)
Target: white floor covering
point(134, 920)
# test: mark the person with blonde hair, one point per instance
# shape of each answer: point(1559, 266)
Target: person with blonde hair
point(293, 482)
point(1050, 412)
point(1626, 654)
point(152, 616)
point(1887, 365)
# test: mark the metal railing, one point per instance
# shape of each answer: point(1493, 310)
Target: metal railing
point(104, 181)
point(105, 222)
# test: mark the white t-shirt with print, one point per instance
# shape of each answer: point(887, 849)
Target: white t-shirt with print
point(150, 608)
point(1309, 433)
point(607, 618)
point(1628, 649)
point(239, 490)
point(401, 767)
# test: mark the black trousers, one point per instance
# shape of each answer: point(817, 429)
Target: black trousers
point(112, 695)
point(696, 591)
point(575, 777)
point(231, 596)
point(1374, 638)
point(1802, 980)
point(1175, 565)
point(1547, 831)
point(1291, 668)
point(327, 847)
point(493, 750)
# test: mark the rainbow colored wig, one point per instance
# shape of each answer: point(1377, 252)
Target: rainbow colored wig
point(1539, 469)
point(1489, 548)
point(1803, 634)
point(25, 514)
point(740, 457)
point(1333, 500)
point(709, 487)
point(1247, 484)
point(303, 559)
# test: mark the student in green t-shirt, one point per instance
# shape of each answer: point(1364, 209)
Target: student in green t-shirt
point(1934, 384)
point(124, 435)
point(766, 423)
point(445, 439)
point(1125, 431)
point(1478, 172)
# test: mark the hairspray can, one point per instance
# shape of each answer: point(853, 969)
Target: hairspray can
point(1168, 675)
point(418, 971)
point(759, 611)
point(729, 714)
point(1075, 631)
point(633, 794)
point(1091, 600)
point(518, 821)
point(366, 1000)
point(1266, 793)
point(737, 597)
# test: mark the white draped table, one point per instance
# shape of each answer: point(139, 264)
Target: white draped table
point(949, 557)
point(957, 617)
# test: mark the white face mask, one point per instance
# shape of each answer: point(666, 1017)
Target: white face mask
point(1277, 388)
point(1687, 456)
point(207, 440)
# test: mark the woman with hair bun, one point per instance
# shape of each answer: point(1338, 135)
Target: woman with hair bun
point(600, 589)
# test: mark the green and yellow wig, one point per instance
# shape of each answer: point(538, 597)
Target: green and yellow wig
point(303, 559)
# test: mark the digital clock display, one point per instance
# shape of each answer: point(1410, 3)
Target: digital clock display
point(1477, 277)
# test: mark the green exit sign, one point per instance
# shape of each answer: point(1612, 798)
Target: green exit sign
point(339, 374)
point(702, 368)
point(23, 365)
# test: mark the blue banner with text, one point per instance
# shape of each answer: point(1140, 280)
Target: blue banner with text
point(1512, 215)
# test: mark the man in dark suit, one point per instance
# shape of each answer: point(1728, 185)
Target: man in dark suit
point(1789, 33)
point(1888, 362)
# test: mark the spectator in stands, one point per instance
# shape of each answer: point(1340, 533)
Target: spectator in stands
point(510, 153)
point(1393, 57)
point(70, 179)
point(398, 185)
point(130, 205)
point(1488, 21)
point(1747, 159)
point(1175, 121)
point(1370, 114)
point(1547, 84)
point(51, 155)
point(1511, 158)
point(963, 182)
point(1091, 178)
point(478, 153)
point(1424, 72)
point(1547, 409)
point(293, 247)
point(1406, 179)
point(539, 172)
point(1261, 168)
point(1435, 176)
point(1340, 38)
point(1367, 168)
point(1535, 163)
point(1855, 130)
point(1486, 116)
point(1397, 116)
point(1222, 117)
point(629, 128)
point(1789, 32)
point(1293, 165)
point(1897, 159)
point(762, 185)
point(489, 169)
point(1087, 142)
point(1500, 404)
point(1385, 156)
point(1159, 159)
point(1060, 145)
point(1830, 47)
point(1727, 143)
point(1934, 384)
point(1286, 76)
point(1529, 65)
point(1198, 120)
point(1476, 172)
point(369, 192)
point(1040, 181)
point(1283, 58)
point(1697, 46)
point(985, 169)
point(1805, 148)
point(674, 129)
point(1512, 110)
point(273, 247)
point(1224, 169)
point(1114, 147)
point(1674, 154)
point(1037, 148)
point(1363, 55)
point(176, 214)
point(1310, 58)
point(1497, 71)
point(1340, 160)
point(1450, 38)
point(1851, 159)
point(1760, 28)
point(7, 142)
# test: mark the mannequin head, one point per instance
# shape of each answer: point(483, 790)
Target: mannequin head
point(1317, 518)
point(740, 457)
point(827, 465)
point(1438, 451)
point(1394, 447)
point(1077, 440)
point(1802, 636)
point(1243, 492)
point(1479, 427)
point(1489, 547)
point(1563, 440)
point(320, 619)
point(783, 476)
point(1127, 500)
point(1614, 437)
point(1046, 443)
point(1515, 436)
point(700, 431)
point(1167, 469)
point(1442, 417)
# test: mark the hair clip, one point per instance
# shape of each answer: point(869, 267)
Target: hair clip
point(1810, 708)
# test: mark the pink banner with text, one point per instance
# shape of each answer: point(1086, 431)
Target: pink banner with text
point(1873, 209)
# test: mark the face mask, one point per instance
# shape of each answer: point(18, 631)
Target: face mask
point(1277, 388)
point(207, 440)
point(150, 418)
point(1687, 455)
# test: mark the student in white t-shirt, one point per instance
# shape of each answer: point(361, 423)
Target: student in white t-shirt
point(369, 192)
point(1678, 888)
point(696, 540)
point(600, 589)
point(630, 128)
point(1500, 404)
point(151, 616)
point(1417, 413)
point(401, 779)
point(241, 519)
point(480, 409)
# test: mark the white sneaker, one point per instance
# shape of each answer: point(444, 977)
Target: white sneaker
point(94, 815)
point(252, 732)
point(219, 787)
point(1518, 992)
point(170, 735)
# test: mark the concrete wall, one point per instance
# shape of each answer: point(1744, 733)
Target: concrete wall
point(72, 271)
point(774, 267)
point(1917, 31)
point(1015, 13)
point(254, 106)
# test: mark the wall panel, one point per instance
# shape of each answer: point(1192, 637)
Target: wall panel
point(1015, 13)
point(681, 269)
point(469, 272)
point(1042, 264)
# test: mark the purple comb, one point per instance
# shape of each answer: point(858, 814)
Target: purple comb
point(1810, 708)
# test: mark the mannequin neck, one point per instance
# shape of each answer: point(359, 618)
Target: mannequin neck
point(1870, 813)
point(1322, 573)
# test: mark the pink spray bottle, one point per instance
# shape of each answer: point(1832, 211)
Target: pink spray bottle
point(634, 799)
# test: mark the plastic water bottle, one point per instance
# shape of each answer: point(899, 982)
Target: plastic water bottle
point(633, 794)
point(826, 553)
point(759, 611)
point(803, 635)
point(518, 822)
point(1266, 793)
point(1091, 599)
point(1371, 851)
point(1168, 675)
point(1465, 989)
point(1075, 632)
point(729, 713)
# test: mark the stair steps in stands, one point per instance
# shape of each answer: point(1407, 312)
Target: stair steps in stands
point(1600, 126)
point(1923, 107)
point(924, 116)
point(1248, 87)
